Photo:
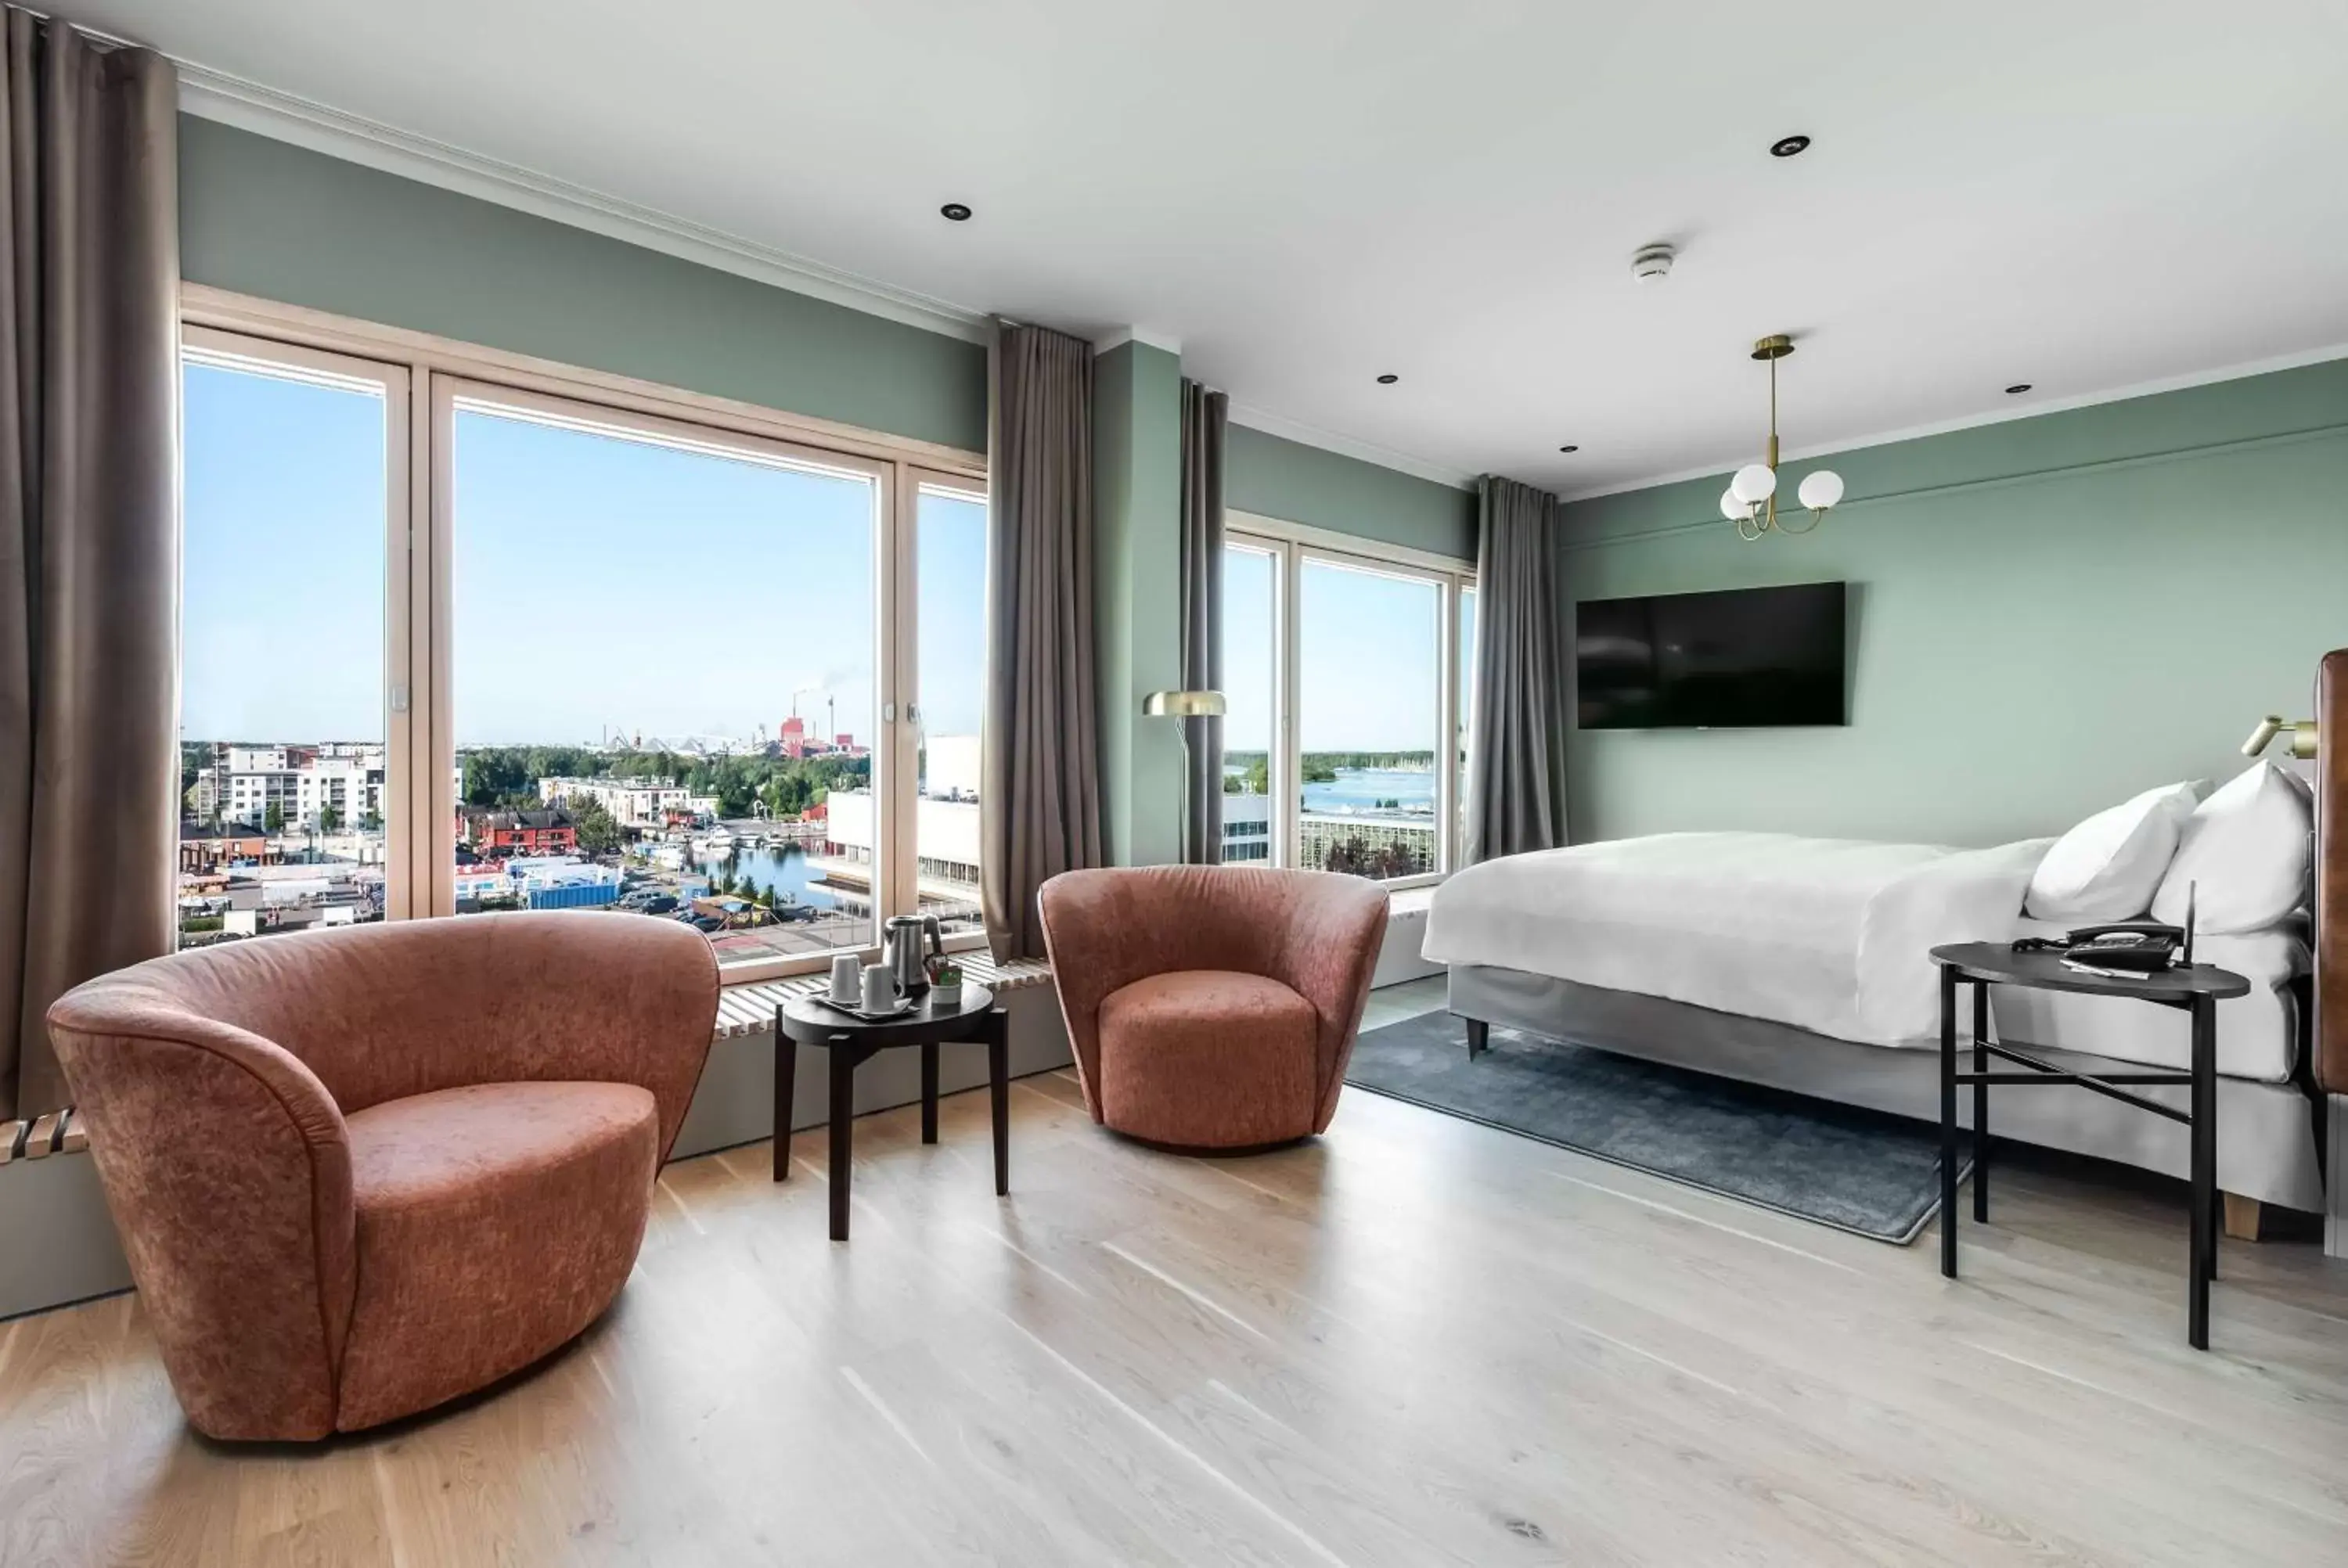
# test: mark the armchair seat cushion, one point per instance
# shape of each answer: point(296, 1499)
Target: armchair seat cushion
point(1208, 1058)
point(494, 1223)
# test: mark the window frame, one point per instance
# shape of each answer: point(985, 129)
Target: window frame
point(1294, 546)
point(431, 376)
point(405, 860)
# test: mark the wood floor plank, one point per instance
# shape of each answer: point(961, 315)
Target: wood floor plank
point(1413, 1341)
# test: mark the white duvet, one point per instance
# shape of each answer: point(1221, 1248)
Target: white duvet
point(1827, 935)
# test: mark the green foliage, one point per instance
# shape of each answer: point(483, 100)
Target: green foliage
point(508, 775)
point(1254, 776)
point(329, 818)
point(273, 819)
point(599, 832)
point(195, 925)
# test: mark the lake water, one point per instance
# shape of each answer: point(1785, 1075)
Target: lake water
point(785, 870)
point(1356, 792)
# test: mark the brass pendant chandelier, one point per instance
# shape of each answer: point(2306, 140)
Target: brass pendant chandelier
point(1751, 499)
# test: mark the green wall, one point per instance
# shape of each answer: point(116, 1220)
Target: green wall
point(1299, 484)
point(1136, 567)
point(2049, 615)
point(269, 218)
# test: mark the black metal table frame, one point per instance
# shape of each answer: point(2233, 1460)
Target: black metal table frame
point(2201, 1119)
point(847, 1053)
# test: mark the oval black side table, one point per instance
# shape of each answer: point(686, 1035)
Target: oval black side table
point(2196, 988)
point(852, 1041)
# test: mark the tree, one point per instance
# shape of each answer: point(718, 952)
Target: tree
point(274, 820)
point(371, 821)
point(598, 832)
point(329, 818)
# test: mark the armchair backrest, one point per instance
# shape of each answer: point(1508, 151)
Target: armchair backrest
point(1316, 932)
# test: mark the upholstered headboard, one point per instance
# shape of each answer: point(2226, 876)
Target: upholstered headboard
point(2332, 873)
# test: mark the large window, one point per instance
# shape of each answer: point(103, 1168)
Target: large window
point(1342, 664)
point(465, 634)
point(1251, 678)
point(950, 579)
point(663, 657)
point(290, 625)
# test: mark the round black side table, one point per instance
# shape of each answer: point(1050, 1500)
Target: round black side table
point(2196, 988)
point(852, 1041)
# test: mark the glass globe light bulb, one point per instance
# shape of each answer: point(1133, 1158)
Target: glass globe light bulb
point(1821, 490)
point(1754, 482)
point(1735, 510)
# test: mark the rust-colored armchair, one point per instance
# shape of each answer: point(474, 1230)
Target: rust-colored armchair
point(1212, 1007)
point(363, 1171)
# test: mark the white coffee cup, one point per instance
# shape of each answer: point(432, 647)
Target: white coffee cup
point(845, 970)
point(880, 988)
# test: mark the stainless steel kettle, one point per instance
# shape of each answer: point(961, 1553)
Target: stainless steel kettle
point(901, 949)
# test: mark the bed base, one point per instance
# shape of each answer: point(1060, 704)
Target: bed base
point(2267, 1132)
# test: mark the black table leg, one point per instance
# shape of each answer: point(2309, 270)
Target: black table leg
point(930, 1094)
point(1479, 1037)
point(843, 1122)
point(2205, 1170)
point(998, 1089)
point(1948, 1121)
point(787, 1078)
point(1981, 1103)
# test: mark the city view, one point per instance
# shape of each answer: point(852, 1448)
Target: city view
point(768, 848)
point(711, 619)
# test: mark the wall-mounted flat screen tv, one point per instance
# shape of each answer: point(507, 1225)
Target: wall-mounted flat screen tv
point(1746, 658)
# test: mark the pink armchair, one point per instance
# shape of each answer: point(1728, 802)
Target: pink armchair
point(363, 1171)
point(1212, 1009)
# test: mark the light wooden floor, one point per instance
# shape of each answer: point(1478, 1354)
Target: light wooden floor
point(1416, 1342)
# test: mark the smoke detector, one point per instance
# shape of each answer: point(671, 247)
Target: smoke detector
point(1653, 263)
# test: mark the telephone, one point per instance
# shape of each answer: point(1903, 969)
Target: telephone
point(2146, 947)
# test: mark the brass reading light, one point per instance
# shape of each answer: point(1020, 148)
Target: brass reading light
point(1183, 705)
point(2302, 736)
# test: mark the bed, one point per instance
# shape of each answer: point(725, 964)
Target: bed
point(1801, 963)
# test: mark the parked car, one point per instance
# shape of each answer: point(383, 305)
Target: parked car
point(652, 903)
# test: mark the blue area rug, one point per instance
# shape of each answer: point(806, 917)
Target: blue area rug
point(1864, 1171)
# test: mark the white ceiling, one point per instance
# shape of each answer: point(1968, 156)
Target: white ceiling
point(2088, 196)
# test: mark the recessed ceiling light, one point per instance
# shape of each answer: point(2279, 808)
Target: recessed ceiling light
point(1787, 146)
point(1388, 379)
point(954, 212)
point(1568, 448)
point(2017, 389)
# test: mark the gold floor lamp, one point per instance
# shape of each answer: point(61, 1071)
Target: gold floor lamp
point(1182, 707)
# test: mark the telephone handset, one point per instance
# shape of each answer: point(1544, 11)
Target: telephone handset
point(2139, 947)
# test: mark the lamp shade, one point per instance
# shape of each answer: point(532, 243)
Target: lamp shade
point(1183, 705)
point(1754, 482)
point(1821, 490)
point(1735, 510)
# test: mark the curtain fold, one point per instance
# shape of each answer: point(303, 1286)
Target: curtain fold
point(1039, 790)
point(89, 766)
point(1204, 415)
point(1515, 757)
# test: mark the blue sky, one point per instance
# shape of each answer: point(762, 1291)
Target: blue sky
point(607, 583)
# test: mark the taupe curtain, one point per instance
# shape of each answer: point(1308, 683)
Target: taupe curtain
point(1039, 793)
point(1515, 757)
point(89, 568)
point(1204, 414)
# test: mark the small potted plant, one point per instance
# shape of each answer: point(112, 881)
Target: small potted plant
point(945, 983)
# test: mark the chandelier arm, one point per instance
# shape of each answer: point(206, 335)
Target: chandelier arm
point(1816, 517)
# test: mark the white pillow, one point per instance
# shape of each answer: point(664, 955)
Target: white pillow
point(2108, 867)
point(2247, 848)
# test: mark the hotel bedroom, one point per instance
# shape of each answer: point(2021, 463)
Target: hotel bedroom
point(1173, 784)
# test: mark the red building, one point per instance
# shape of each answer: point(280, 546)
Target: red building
point(794, 736)
point(504, 833)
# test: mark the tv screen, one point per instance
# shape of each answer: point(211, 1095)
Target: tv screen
point(1747, 658)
